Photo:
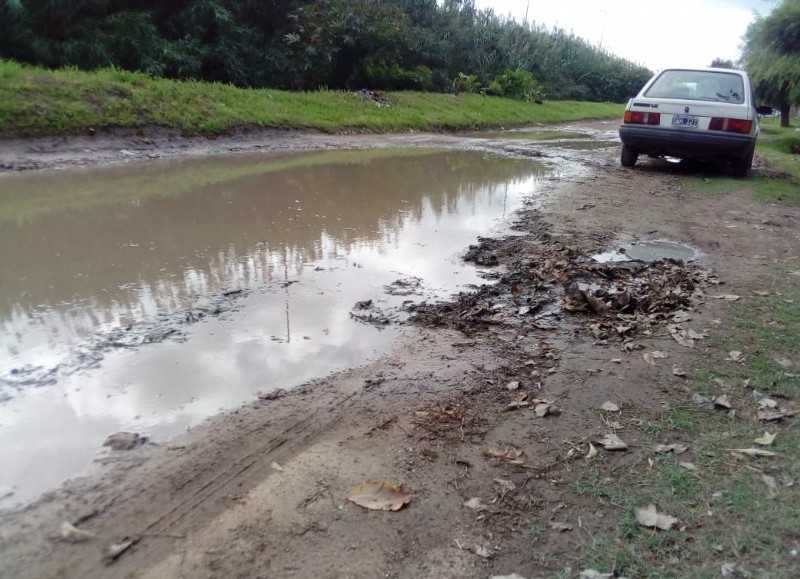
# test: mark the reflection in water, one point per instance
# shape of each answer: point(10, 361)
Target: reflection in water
point(305, 235)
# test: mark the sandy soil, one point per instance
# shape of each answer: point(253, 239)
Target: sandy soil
point(261, 491)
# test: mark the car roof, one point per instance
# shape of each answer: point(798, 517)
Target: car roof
point(705, 69)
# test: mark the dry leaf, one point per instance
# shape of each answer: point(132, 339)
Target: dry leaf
point(681, 336)
point(592, 574)
point(696, 335)
point(72, 534)
point(505, 484)
point(612, 442)
point(476, 504)
point(772, 485)
point(379, 495)
point(766, 440)
point(674, 448)
point(728, 297)
point(752, 451)
point(679, 372)
point(609, 407)
point(703, 402)
point(767, 403)
point(688, 466)
point(648, 357)
point(512, 455)
point(514, 385)
point(769, 415)
point(728, 569)
point(723, 402)
point(657, 354)
point(515, 405)
point(545, 409)
point(592, 451)
point(649, 517)
point(763, 294)
point(681, 317)
point(735, 356)
point(616, 360)
point(560, 527)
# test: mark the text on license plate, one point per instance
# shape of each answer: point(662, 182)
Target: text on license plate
point(684, 121)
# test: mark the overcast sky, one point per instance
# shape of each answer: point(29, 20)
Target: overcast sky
point(655, 34)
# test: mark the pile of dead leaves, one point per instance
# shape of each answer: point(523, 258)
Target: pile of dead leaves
point(546, 280)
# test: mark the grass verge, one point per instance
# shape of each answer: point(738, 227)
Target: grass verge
point(738, 514)
point(779, 149)
point(37, 102)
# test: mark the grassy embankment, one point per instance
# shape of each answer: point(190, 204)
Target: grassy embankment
point(739, 515)
point(736, 512)
point(778, 149)
point(37, 102)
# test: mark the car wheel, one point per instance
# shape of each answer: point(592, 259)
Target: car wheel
point(629, 156)
point(741, 167)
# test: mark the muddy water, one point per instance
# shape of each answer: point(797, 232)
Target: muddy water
point(148, 297)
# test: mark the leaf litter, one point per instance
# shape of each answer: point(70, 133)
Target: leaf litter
point(650, 517)
point(609, 407)
point(766, 440)
point(673, 448)
point(614, 300)
point(612, 442)
point(379, 495)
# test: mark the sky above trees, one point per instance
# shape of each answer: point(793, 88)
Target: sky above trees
point(680, 33)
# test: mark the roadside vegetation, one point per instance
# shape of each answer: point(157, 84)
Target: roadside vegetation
point(36, 102)
point(780, 149)
point(737, 499)
point(421, 45)
point(778, 181)
point(771, 55)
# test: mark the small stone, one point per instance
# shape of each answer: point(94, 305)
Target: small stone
point(124, 440)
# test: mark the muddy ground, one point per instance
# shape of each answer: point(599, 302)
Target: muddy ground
point(480, 411)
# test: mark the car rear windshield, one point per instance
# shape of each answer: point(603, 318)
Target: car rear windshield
point(699, 85)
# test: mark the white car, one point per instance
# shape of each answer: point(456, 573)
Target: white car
point(706, 113)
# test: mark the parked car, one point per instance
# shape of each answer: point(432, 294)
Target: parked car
point(706, 113)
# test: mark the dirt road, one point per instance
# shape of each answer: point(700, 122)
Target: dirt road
point(480, 411)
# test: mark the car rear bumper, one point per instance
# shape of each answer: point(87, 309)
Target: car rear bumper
point(685, 143)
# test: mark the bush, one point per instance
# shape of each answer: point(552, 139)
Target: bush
point(518, 85)
point(466, 83)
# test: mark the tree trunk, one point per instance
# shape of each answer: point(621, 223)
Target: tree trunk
point(785, 109)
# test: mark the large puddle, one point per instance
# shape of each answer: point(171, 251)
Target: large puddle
point(151, 296)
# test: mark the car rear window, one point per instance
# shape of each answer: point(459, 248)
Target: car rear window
point(698, 85)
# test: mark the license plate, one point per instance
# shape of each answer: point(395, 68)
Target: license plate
point(684, 121)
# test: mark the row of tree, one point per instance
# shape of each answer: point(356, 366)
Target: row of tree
point(771, 56)
point(307, 44)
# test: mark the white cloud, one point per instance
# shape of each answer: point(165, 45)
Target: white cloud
point(683, 32)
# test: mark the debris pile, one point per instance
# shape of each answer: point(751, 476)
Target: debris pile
point(547, 281)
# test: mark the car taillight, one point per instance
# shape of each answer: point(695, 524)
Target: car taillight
point(640, 118)
point(730, 125)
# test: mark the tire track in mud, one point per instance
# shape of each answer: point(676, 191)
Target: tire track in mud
point(196, 489)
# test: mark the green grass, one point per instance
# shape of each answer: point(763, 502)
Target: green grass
point(778, 149)
point(36, 102)
point(726, 511)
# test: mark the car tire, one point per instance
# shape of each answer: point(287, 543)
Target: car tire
point(741, 167)
point(629, 156)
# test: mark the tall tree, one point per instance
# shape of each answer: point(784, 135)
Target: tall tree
point(771, 56)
